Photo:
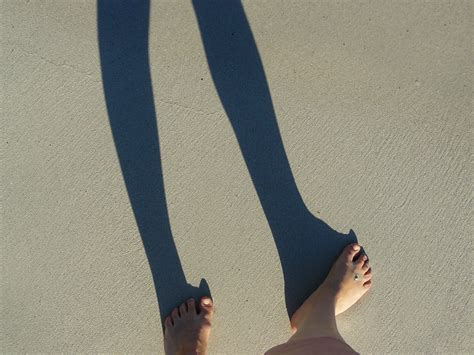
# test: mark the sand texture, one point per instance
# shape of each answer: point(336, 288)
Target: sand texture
point(162, 150)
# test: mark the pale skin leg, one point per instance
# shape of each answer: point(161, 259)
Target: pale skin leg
point(188, 327)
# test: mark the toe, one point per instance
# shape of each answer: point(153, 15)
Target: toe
point(365, 266)
point(368, 274)
point(207, 308)
point(191, 306)
point(367, 284)
point(175, 314)
point(361, 260)
point(351, 250)
point(183, 309)
point(168, 322)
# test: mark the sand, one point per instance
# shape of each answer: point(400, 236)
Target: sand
point(373, 102)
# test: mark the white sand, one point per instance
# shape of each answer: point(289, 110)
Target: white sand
point(374, 106)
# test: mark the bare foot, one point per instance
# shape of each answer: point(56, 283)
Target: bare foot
point(341, 285)
point(188, 327)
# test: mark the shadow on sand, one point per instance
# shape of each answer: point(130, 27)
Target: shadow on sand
point(306, 245)
point(123, 47)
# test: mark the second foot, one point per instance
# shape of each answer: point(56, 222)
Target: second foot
point(349, 279)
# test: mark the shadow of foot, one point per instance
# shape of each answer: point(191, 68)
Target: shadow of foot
point(307, 248)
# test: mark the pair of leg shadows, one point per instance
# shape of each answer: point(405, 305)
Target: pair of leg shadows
point(306, 245)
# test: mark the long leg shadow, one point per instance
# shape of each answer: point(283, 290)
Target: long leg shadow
point(123, 46)
point(306, 245)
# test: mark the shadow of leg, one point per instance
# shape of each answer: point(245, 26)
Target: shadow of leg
point(306, 245)
point(123, 46)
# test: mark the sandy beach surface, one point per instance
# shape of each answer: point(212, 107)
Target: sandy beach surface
point(135, 165)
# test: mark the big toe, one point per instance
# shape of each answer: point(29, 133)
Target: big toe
point(207, 308)
point(350, 251)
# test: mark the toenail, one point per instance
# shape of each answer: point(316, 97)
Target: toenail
point(356, 247)
point(206, 301)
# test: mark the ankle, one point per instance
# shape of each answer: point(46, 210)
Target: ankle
point(327, 294)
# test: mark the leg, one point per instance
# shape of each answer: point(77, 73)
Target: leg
point(188, 327)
